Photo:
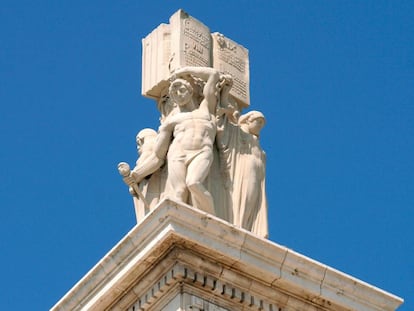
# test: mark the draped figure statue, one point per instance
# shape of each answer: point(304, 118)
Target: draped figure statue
point(242, 163)
point(249, 198)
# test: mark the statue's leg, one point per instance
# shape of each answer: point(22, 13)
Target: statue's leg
point(176, 185)
point(197, 172)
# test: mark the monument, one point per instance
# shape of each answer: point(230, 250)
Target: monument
point(206, 153)
point(198, 189)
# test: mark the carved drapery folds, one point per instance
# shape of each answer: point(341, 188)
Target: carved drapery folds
point(205, 153)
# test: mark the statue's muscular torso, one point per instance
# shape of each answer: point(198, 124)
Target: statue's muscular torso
point(193, 132)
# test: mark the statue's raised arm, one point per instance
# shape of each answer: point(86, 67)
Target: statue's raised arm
point(211, 76)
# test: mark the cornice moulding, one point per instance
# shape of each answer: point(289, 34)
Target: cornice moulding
point(176, 233)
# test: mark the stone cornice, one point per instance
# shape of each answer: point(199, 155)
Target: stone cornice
point(175, 235)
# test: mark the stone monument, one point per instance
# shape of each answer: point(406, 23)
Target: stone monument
point(207, 152)
point(198, 188)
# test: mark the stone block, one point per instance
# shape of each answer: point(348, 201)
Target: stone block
point(156, 51)
point(232, 58)
point(186, 41)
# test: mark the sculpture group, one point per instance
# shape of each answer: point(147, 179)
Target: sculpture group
point(205, 153)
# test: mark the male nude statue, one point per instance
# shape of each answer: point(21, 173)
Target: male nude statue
point(186, 140)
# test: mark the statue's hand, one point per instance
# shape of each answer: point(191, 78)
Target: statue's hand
point(226, 80)
point(129, 180)
point(182, 72)
point(179, 71)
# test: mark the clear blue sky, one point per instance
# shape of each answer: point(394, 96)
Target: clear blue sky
point(335, 80)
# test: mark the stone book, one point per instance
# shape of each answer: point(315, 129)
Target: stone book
point(185, 41)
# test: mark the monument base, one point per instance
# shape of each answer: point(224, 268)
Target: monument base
point(180, 258)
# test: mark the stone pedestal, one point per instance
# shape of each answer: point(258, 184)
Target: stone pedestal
point(181, 259)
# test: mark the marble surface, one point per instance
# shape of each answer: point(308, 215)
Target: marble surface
point(179, 249)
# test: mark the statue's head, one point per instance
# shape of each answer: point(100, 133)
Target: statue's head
point(181, 91)
point(143, 136)
point(253, 122)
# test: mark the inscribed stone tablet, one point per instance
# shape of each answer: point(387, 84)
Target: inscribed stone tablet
point(190, 42)
point(232, 58)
